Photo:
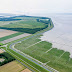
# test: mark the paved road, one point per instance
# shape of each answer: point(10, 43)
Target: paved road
point(15, 38)
point(27, 57)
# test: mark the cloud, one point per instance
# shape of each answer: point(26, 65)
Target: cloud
point(35, 6)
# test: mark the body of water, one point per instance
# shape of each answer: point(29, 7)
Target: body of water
point(61, 35)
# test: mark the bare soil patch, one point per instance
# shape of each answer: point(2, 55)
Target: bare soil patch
point(15, 38)
point(4, 33)
point(12, 67)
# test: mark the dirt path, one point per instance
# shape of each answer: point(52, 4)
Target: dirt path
point(15, 38)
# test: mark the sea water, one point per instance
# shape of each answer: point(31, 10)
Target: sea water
point(61, 35)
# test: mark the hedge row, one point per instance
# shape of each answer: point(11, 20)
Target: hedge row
point(8, 58)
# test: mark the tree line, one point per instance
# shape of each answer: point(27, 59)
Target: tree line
point(8, 58)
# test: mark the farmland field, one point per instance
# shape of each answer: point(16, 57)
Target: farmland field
point(26, 24)
point(14, 38)
point(13, 66)
point(4, 33)
point(37, 50)
point(43, 51)
point(10, 36)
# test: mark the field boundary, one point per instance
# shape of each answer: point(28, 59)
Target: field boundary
point(44, 64)
point(38, 33)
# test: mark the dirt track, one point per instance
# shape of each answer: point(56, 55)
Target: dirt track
point(15, 38)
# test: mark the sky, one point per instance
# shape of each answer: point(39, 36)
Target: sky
point(35, 6)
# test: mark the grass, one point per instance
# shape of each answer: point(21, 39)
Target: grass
point(10, 36)
point(6, 22)
point(1, 44)
point(13, 66)
point(39, 32)
point(25, 24)
point(26, 18)
point(31, 41)
point(38, 51)
point(20, 58)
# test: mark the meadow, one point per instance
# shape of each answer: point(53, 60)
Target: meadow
point(26, 24)
point(43, 51)
point(33, 47)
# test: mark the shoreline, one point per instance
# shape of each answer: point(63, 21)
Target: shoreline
point(56, 42)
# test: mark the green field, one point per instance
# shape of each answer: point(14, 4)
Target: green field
point(26, 24)
point(6, 22)
point(35, 49)
point(39, 52)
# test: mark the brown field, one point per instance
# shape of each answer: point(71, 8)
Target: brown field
point(26, 70)
point(6, 32)
point(1, 51)
point(13, 66)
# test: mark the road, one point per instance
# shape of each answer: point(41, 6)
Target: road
point(27, 57)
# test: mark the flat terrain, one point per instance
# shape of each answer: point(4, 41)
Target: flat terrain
point(10, 36)
point(26, 70)
point(27, 25)
point(33, 48)
point(6, 22)
point(15, 38)
point(12, 67)
point(45, 54)
point(4, 33)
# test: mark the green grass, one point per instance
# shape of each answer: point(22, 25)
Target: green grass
point(10, 36)
point(19, 57)
point(38, 52)
point(31, 23)
point(6, 22)
point(1, 44)
point(25, 24)
point(26, 18)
